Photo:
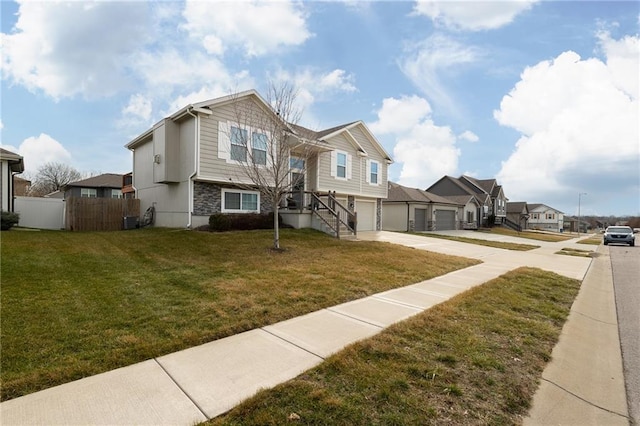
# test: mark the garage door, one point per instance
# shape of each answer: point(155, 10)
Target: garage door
point(445, 220)
point(366, 215)
point(420, 220)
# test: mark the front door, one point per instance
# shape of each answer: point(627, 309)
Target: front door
point(297, 187)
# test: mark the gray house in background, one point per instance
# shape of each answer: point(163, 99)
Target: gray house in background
point(107, 185)
point(412, 209)
point(518, 214)
point(11, 164)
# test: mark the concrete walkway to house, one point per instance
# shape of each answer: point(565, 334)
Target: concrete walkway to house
point(584, 378)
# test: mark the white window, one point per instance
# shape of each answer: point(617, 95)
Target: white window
point(340, 165)
point(259, 148)
point(242, 144)
point(237, 201)
point(550, 216)
point(373, 172)
point(535, 216)
point(341, 171)
point(296, 163)
point(88, 193)
point(116, 193)
point(238, 144)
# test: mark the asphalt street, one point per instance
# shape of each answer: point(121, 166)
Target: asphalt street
point(625, 263)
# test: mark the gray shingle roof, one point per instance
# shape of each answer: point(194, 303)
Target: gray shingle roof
point(106, 180)
point(399, 193)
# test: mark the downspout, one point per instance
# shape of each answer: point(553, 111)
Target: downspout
point(195, 164)
point(408, 212)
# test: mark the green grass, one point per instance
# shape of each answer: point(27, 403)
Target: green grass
point(532, 235)
point(496, 244)
point(76, 304)
point(474, 360)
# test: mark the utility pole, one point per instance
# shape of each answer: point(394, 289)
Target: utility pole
point(579, 196)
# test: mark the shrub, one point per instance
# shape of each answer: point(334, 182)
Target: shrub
point(8, 220)
point(220, 222)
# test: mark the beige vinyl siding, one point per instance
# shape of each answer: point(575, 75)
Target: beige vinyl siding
point(358, 184)
point(212, 167)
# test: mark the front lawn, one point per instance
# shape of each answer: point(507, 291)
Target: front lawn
point(532, 235)
point(76, 304)
point(476, 359)
point(487, 243)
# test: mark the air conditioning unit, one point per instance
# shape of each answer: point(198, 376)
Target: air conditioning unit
point(130, 222)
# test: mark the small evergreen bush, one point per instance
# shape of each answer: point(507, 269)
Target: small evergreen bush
point(8, 220)
point(220, 222)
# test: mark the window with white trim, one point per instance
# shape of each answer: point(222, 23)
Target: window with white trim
point(259, 148)
point(88, 193)
point(373, 172)
point(550, 216)
point(341, 165)
point(238, 144)
point(535, 216)
point(116, 193)
point(239, 201)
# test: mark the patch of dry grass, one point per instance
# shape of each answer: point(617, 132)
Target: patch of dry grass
point(532, 235)
point(486, 243)
point(76, 304)
point(475, 359)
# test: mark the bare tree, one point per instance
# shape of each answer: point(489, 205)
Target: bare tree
point(53, 177)
point(269, 149)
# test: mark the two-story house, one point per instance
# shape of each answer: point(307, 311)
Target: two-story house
point(489, 196)
point(192, 164)
point(545, 218)
point(106, 185)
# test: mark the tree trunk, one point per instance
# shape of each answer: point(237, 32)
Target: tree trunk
point(276, 226)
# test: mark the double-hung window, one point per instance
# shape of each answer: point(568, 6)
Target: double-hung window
point(116, 193)
point(236, 201)
point(373, 170)
point(238, 144)
point(259, 148)
point(341, 165)
point(550, 216)
point(88, 193)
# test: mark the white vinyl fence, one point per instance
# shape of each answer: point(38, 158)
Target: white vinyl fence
point(39, 212)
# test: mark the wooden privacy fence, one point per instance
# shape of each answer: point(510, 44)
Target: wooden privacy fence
point(99, 214)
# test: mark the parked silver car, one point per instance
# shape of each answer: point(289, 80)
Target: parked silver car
point(620, 235)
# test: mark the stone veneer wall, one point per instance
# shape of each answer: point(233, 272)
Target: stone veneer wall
point(207, 199)
point(378, 214)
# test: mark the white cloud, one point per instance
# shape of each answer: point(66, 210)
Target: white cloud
point(258, 27)
point(579, 124)
point(425, 150)
point(468, 136)
point(73, 48)
point(39, 150)
point(423, 63)
point(313, 85)
point(138, 106)
point(473, 16)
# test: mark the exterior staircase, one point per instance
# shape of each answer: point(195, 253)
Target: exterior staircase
point(331, 217)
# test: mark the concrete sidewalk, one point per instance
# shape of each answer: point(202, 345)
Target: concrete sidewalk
point(203, 382)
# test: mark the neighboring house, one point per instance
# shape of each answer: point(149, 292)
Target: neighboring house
point(108, 185)
point(21, 186)
point(545, 218)
point(412, 209)
point(128, 190)
point(11, 164)
point(517, 215)
point(488, 194)
point(188, 166)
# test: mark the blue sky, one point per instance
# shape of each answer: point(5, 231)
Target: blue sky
point(541, 95)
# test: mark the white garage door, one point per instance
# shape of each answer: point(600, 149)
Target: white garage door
point(445, 220)
point(366, 215)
